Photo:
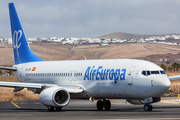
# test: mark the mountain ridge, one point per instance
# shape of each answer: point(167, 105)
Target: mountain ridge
point(123, 35)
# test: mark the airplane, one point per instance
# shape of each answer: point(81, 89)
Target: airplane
point(56, 82)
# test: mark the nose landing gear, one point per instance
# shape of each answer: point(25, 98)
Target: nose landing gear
point(148, 107)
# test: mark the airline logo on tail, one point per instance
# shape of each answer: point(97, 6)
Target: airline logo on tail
point(16, 37)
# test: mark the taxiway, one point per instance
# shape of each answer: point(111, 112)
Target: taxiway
point(80, 109)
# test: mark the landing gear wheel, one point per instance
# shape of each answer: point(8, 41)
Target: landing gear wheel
point(148, 107)
point(107, 104)
point(99, 105)
point(50, 109)
point(58, 108)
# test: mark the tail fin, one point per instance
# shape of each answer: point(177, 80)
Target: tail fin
point(22, 52)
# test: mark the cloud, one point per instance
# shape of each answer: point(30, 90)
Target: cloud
point(92, 18)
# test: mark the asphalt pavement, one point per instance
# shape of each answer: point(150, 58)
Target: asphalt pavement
point(84, 109)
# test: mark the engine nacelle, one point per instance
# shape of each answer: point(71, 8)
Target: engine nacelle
point(135, 102)
point(55, 97)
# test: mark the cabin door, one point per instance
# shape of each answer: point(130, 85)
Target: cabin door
point(130, 75)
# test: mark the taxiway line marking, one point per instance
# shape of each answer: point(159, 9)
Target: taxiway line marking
point(15, 104)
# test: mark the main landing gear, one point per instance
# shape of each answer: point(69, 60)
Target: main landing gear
point(148, 107)
point(51, 109)
point(105, 103)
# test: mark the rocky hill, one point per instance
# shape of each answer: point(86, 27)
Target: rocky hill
point(122, 35)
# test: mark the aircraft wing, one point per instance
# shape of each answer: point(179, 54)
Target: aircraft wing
point(8, 68)
point(175, 77)
point(70, 89)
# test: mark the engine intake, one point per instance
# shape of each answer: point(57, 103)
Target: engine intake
point(55, 97)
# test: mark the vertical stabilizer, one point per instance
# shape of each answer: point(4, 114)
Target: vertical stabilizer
point(22, 52)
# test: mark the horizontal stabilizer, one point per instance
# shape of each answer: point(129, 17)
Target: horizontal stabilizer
point(8, 68)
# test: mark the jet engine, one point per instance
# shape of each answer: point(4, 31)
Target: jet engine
point(54, 97)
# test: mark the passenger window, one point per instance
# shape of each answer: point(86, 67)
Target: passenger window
point(162, 72)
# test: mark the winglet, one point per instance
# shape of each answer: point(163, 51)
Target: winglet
point(22, 52)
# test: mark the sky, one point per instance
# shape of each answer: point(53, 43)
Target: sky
point(92, 18)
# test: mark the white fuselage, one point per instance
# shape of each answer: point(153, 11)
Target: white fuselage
point(116, 79)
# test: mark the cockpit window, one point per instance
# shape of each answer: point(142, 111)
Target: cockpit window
point(148, 73)
point(144, 73)
point(162, 72)
point(155, 72)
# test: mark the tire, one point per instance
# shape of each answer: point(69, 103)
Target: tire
point(59, 109)
point(99, 105)
point(148, 107)
point(107, 105)
point(50, 109)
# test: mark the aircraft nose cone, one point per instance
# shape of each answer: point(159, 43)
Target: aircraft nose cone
point(167, 83)
point(163, 85)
